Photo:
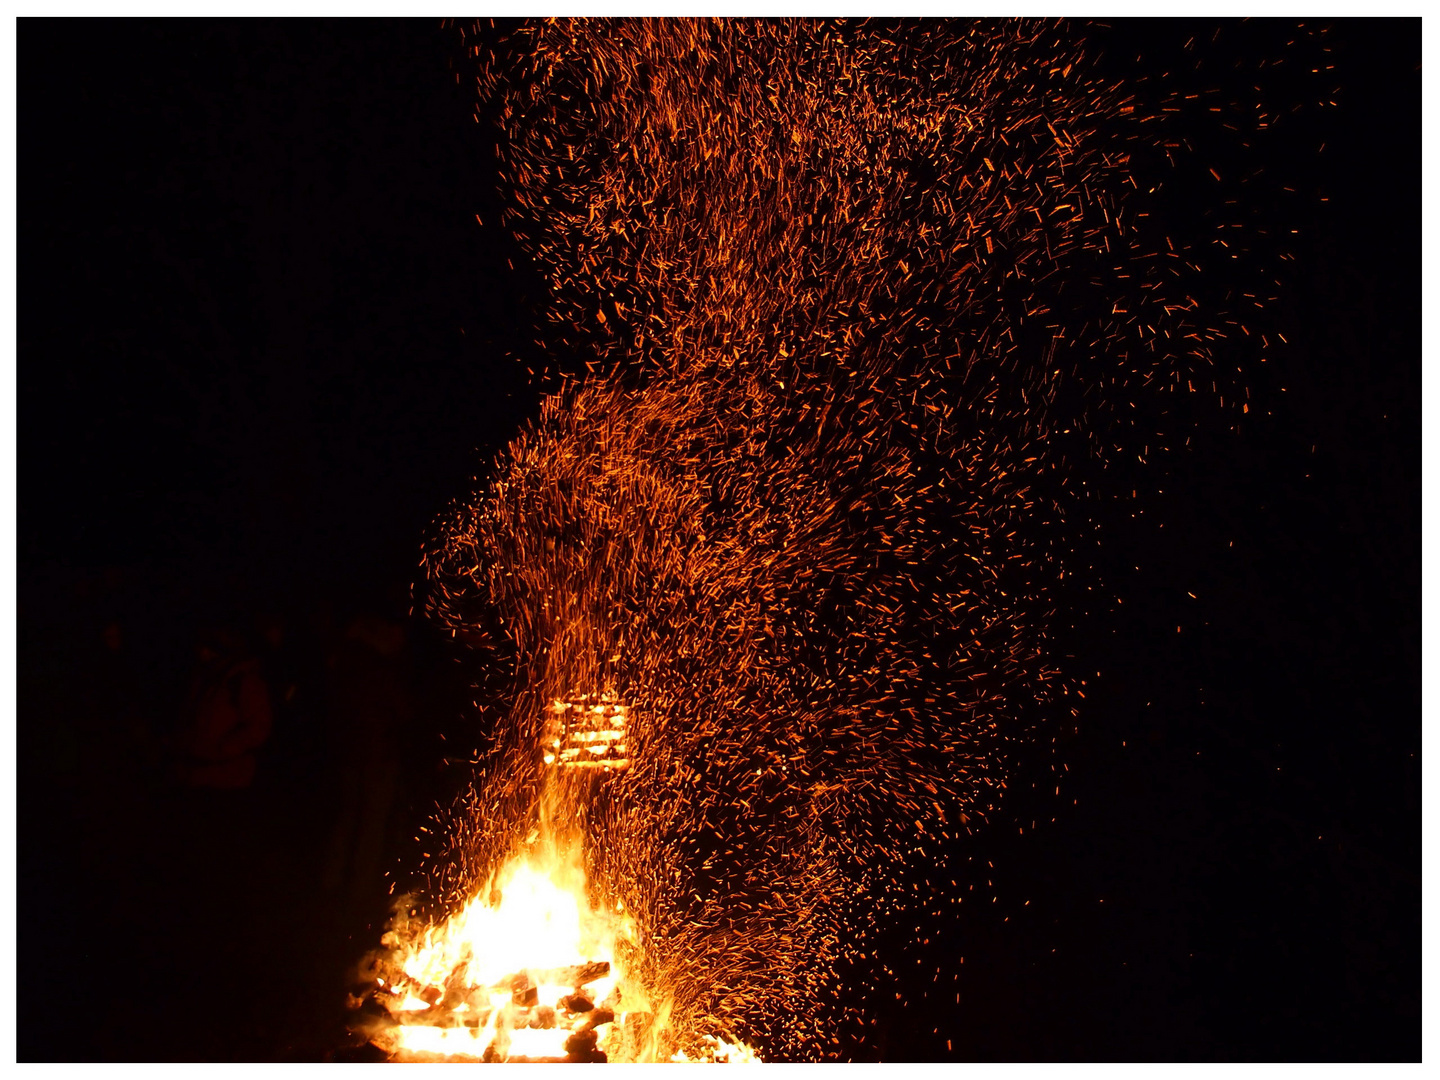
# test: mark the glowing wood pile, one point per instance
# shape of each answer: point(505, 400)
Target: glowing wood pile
point(548, 1015)
point(524, 972)
point(529, 969)
point(587, 733)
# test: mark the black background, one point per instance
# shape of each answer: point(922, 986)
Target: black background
point(263, 340)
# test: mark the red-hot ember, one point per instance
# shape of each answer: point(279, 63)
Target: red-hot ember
point(771, 585)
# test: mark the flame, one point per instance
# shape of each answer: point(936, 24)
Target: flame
point(542, 921)
point(528, 970)
point(720, 1052)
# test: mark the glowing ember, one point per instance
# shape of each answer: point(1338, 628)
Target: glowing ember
point(858, 302)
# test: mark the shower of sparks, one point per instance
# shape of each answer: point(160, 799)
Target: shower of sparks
point(860, 300)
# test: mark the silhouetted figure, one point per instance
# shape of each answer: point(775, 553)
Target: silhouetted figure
point(227, 718)
point(294, 674)
point(119, 721)
point(368, 703)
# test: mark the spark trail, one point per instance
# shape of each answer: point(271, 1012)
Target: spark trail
point(858, 299)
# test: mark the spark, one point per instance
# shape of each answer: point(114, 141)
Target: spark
point(862, 305)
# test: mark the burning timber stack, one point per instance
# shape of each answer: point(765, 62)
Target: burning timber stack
point(555, 1015)
point(503, 1021)
point(529, 969)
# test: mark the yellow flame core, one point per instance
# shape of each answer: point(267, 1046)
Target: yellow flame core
point(539, 923)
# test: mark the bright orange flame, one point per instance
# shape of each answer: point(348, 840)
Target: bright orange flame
point(528, 970)
point(532, 919)
point(542, 921)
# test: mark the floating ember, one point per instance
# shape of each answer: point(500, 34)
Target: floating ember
point(866, 310)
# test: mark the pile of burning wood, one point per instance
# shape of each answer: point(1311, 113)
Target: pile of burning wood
point(529, 969)
point(550, 1015)
point(544, 1016)
point(587, 733)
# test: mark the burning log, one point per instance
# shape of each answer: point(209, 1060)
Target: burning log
point(576, 975)
point(369, 1018)
point(597, 1018)
point(581, 1047)
point(523, 991)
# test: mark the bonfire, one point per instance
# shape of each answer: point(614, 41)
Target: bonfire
point(528, 970)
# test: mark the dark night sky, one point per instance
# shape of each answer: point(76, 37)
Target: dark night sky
point(263, 340)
